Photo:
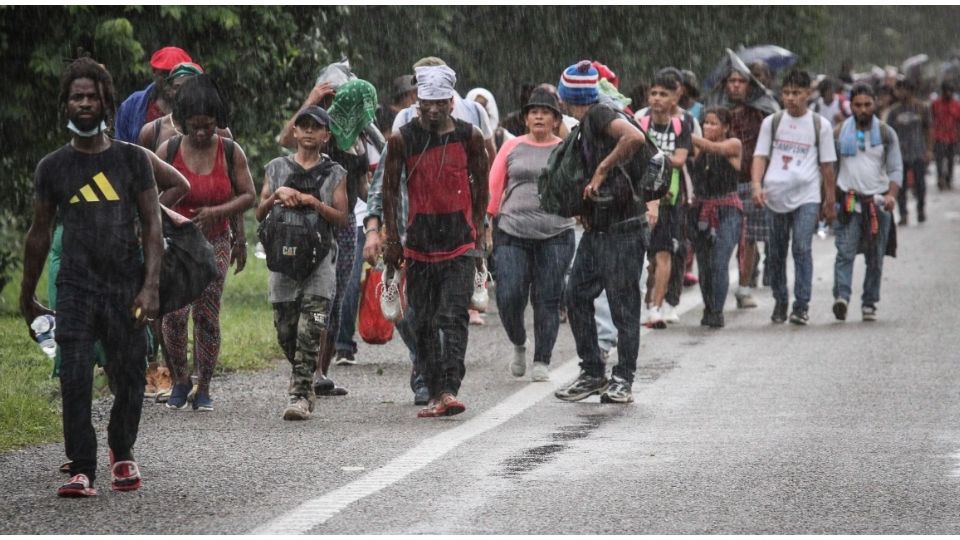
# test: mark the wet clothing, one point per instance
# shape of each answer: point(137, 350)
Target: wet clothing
point(322, 282)
point(132, 114)
point(96, 197)
point(101, 271)
point(597, 145)
point(440, 221)
point(299, 324)
point(745, 125)
point(911, 122)
point(210, 189)
point(713, 176)
point(513, 190)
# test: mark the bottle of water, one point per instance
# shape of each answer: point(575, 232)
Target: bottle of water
point(655, 176)
point(43, 326)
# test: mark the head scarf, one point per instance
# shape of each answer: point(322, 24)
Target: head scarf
point(185, 69)
point(492, 111)
point(435, 82)
point(353, 108)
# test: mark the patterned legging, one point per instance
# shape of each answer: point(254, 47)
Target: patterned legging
point(206, 325)
point(347, 245)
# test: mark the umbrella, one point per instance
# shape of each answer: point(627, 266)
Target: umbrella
point(777, 58)
point(914, 62)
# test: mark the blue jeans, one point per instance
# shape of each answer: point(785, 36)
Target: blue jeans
point(609, 261)
point(713, 257)
point(802, 222)
point(351, 301)
point(848, 240)
point(532, 269)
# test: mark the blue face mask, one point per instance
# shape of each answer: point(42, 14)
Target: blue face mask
point(89, 133)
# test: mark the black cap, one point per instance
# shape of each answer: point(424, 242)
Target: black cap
point(403, 84)
point(317, 113)
point(541, 97)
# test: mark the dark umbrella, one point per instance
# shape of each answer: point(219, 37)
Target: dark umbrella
point(776, 57)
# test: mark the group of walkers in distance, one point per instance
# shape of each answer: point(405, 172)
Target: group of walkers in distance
point(437, 186)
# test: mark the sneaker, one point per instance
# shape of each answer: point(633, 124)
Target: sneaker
point(655, 319)
point(519, 364)
point(421, 394)
point(540, 372)
point(840, 309)
point(298, 408)
point(582, 387)
point(78, 486)
point(712, 319)
point(745, 300)
point(799, 316)
point(391, 304)
point(869, 313)
point(324, 386)
point(124, 475)
point(178, 396)
point(447, 405)
point(903, 221)
point(645, 315)
point(779, 313)
point(690, 279)
point(202, 402)
point(921, 216)
point(618, 391)
point(669, 314)
point(344, 358)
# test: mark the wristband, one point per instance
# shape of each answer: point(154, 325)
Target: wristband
point(368, 230)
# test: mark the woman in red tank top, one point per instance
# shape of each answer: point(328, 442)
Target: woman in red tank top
point(214, 199)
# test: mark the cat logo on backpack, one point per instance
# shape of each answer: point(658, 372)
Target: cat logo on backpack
point(289, 251)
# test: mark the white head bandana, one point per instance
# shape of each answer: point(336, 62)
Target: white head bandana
point(435, 82)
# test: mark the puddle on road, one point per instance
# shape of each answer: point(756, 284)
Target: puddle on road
point(531, 458)
point(649, 372)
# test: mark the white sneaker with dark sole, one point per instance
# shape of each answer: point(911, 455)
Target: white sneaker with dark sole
point(519, 364)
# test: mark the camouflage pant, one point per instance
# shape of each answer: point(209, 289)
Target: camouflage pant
point(300, 325)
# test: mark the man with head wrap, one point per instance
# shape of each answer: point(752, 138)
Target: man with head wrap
point(153, 101)
point(749, 103)
point(446, 168)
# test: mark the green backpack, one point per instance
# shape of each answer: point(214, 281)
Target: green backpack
point(562, 182)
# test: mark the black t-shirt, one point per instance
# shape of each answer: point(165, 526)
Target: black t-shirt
point(597, 145)
point(713, 176)
point(670, 142)
point(96, 199)
point(357, 168)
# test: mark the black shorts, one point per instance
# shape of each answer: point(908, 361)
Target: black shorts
point(667, 235)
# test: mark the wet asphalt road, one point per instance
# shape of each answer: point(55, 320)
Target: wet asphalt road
point(831, 428)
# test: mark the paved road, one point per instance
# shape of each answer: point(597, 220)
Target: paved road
point(832, 428)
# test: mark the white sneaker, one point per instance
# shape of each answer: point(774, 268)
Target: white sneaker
point(480, 298)
point(519, 365)
point(669, 314)
point(656, 319)
point(540, 372)
point(389, 292)
point(645, 315)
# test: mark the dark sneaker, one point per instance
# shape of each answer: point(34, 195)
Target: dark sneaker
point(921, 217)
point(712, 319)
point(779, 313)
point(582, 387)
point(344, 358)
point(298, 408)
point(618, 391)
point(869, 313)
point(799, 316)
point(840, 309)
point(202, 402)
point(447, 405)
point(324, 386)
point(78, 486)
point(179, 395)
point(421, 394)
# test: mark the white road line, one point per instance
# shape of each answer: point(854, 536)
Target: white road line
point(317, 511)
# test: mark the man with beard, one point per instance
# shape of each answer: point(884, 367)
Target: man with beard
point(102, 190)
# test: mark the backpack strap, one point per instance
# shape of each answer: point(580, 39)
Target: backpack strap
point(173, 146)
point(677, 125)
point(816, 135)
point(645, 123)
point(228, 150)
point(157, 125)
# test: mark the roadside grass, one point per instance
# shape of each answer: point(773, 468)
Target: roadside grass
point(30, 397)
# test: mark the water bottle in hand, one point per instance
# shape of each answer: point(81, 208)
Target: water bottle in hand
point(43, 326)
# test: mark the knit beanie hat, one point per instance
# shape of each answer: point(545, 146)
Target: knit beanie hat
point(578, 84)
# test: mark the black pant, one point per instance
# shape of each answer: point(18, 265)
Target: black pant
point(82, 319)
point(919, 186)
point(439, 294)
point(943, 154)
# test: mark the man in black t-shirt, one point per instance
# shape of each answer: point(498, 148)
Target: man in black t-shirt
point(102, 190)
point(610, 253)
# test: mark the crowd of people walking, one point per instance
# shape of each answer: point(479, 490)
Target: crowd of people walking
point(436, 186)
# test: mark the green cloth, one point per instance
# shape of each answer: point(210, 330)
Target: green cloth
point(354, 107)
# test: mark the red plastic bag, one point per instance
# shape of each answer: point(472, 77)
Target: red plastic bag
point(373, 327)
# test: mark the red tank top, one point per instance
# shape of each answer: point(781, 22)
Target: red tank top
point(206, 189)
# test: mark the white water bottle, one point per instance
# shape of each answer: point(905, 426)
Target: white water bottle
point(43, 326)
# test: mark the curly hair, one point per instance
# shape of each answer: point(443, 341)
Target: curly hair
point(88, 68)
point(198, 96)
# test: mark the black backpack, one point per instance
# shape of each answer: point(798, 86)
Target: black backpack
point(188, 264)
point(297, 239)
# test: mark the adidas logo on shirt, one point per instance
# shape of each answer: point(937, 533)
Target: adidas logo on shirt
point(90, 195)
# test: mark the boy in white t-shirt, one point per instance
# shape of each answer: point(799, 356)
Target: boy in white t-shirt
point(800, 160)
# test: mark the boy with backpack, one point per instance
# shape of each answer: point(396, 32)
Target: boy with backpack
point(304, 195)
point(667, 250)
point(794, 156)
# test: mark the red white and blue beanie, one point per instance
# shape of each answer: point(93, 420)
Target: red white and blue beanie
point(578, 84)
